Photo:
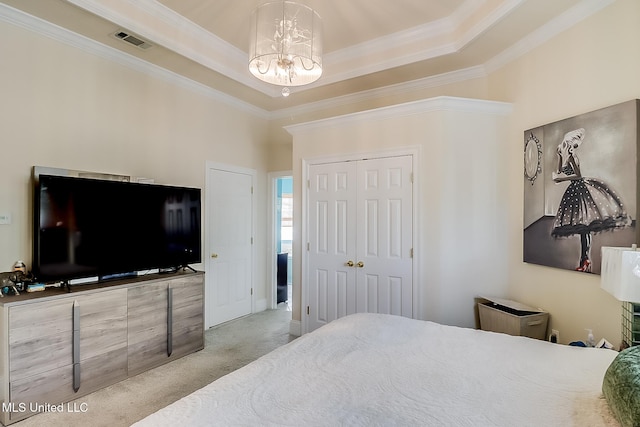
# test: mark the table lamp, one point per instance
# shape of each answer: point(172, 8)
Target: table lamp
point(620, 276)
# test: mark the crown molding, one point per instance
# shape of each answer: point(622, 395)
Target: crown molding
point(369, 67)
point(562, 22)
point(573, 16)
point(45, 28)
point(151, 19)
point(391, 90)
point(420, 35)
point(62, 35)
point(440, 103)
point(148, 18)
point(487, 22)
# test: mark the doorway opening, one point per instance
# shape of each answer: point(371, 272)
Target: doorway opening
point(283, 240)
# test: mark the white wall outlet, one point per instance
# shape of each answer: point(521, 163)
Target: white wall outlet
point(5, 218)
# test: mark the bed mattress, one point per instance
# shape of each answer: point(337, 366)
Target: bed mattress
point(371, 369)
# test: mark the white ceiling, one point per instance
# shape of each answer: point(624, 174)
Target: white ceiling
point(369, 45)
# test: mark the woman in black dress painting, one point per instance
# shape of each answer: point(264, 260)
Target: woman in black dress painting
point(588, 205)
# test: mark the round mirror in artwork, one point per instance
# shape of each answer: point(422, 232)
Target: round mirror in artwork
point(532, 158)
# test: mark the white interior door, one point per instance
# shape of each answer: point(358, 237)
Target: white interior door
point(229, 263)
point(360, 239)
point(332, 242)
point(385, 236)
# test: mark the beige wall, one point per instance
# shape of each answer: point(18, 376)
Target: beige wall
point(593, 65)
point(471, 88)
point(70, 109)
point(460, 246)
point(65, 108)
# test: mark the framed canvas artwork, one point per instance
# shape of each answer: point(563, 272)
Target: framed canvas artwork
point(580, 187)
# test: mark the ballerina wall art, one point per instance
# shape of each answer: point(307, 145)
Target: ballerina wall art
point(580, 187)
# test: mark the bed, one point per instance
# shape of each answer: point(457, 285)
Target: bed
point(372, 369)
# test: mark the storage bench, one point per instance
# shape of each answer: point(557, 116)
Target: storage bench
point(513, 318)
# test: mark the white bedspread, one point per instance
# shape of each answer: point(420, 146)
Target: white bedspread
point(369, 369)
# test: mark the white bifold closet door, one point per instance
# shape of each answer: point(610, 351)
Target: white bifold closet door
point(360, 245)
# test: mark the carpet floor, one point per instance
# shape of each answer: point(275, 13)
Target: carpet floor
point(227, 347)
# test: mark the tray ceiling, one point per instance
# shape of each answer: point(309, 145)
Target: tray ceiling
point(369, 45)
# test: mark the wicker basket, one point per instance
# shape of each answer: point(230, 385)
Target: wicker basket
point(513, 318)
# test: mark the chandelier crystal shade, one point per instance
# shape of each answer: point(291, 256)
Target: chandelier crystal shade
point(286, 44)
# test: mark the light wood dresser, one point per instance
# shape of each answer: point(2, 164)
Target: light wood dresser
point(56, 345)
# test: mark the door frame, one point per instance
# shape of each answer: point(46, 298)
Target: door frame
point(208, 226)
point(414, 152)
point(272, 178)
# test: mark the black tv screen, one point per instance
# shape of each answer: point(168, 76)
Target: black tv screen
point(99, 228)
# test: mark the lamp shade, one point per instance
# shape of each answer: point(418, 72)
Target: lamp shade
point(285, 44)
point(620, 273)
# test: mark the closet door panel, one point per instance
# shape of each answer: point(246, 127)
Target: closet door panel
point(360, 228)
point(385, 236)
point(332, 215)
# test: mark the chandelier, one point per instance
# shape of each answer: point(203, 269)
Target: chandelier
point(286, 45)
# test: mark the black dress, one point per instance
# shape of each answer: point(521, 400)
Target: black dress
point(588, 205)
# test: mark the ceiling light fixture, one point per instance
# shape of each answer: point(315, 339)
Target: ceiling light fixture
point(286, 44)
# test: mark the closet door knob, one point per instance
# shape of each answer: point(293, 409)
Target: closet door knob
point(214, 255)
point(360, 264)
point(349, 263)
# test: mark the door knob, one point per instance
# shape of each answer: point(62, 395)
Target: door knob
point(360, 264)
point(214, 255)
point(349, 263)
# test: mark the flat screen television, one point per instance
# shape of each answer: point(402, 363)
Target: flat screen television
point(86, 228)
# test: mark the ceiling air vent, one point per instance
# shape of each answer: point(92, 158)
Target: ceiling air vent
point(132, 40)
